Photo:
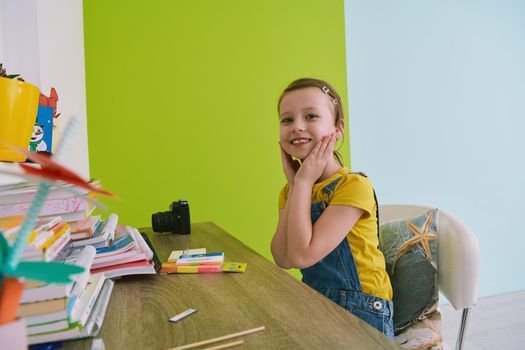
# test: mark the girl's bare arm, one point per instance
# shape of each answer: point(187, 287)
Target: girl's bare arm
point(279, 240)
point(307, 244)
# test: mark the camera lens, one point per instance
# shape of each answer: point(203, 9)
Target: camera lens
point(163, 221)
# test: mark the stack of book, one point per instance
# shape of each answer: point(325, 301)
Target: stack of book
point(49, 241)
point(67, 231)
point(120, 250)
point(58, 311)
point(16, 200)
point(126, 254)
point(73, 310)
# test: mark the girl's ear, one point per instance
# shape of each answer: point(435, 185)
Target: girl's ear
point(340, 132)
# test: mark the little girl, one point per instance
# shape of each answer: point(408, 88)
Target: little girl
point(327, 215)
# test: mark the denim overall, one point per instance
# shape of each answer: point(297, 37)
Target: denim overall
point(336, 277)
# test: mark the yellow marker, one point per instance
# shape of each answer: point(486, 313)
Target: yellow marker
point(234, 267)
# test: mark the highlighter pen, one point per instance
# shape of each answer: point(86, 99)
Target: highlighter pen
point(198, 269)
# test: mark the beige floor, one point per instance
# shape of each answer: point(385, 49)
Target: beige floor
point(497, 322)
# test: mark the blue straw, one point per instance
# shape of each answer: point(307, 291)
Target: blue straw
point(43, 190)
point(27, 226)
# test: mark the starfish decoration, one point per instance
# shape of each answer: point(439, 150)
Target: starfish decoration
point(422, 236)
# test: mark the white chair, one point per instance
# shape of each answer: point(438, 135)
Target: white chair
point(458, 257)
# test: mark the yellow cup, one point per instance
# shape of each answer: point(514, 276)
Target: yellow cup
point(18, 108)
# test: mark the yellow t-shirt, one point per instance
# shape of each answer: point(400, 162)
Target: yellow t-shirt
point(356, 191)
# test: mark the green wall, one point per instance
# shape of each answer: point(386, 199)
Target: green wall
point(181, 102)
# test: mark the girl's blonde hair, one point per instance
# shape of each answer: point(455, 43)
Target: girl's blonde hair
point(337, 105)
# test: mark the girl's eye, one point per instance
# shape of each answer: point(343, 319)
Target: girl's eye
point(311, 116)
point(286, 120)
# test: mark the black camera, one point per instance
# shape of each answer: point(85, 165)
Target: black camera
point(176, 220)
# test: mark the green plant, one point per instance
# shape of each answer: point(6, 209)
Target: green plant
point(3, 74)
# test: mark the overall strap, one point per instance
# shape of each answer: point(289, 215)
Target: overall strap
point(328, 189)
point(375, 199)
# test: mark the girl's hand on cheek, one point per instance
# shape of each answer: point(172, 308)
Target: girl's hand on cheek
point(313, 166)
point(290, 165)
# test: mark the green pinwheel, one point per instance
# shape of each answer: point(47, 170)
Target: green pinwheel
point(50, 172)
point(50, 272)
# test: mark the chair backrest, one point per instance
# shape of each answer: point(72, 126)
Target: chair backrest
point(458, 253)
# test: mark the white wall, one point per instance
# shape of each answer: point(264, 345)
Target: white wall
point(43, 40)
point(437, 111)
point(19, 23)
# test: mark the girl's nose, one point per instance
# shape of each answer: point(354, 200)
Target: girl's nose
point(298, 126)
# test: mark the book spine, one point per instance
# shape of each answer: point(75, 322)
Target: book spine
point(69, 217)
point(72, 332)
point(88, 225)
point(102, 244)
point(51, 252)
point(79, 236)
point(103, 235)
point(50, 207)
point(122, 244)
point(109, 229)
point(85, 260)
point(59, 231)
point(46, 292)
point(48, 327)
point(52, 222)
point(143, 246)
point(64, 253)
point(117, 259)
point(25, 192)
point(45, 231)
point(94, 323)
point(46, 318)
point(87, 311)
point(41, 238)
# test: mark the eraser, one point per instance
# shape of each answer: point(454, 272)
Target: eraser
point(178, 253)
point(175, 255)
point(194, 251)
point(182, 315)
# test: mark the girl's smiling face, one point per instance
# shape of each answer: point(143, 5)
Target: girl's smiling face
point(306, 116)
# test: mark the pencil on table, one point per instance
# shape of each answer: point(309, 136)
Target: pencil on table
point(225, 345)
point(218, 339)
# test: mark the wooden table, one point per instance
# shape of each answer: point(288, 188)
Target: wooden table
point(295, 316)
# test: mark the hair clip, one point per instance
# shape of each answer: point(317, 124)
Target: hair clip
point(326, 90)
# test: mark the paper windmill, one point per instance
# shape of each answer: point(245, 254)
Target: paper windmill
point(50, 172)
point(51, 272)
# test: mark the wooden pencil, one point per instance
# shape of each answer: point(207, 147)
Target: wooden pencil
point(225, 345)
point(218, 339)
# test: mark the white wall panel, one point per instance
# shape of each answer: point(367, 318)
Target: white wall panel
point(437, 112)
point(43, 40)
